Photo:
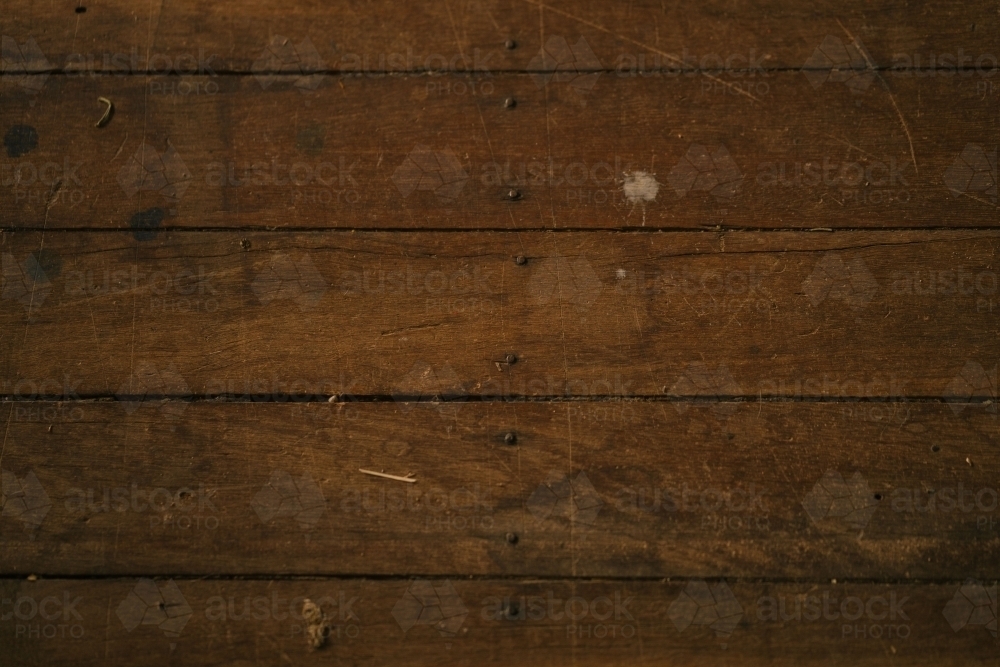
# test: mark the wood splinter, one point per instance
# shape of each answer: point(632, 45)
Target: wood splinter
point(408, 478)
point(108, 112)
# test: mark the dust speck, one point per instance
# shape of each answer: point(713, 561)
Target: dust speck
point(317, 629)
point(640, 187)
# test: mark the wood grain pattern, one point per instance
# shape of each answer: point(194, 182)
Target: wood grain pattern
point(595, 489)
point(767, 152)
point(673, 326)
point(697, 314)
point(381, 36)
point(616, 623)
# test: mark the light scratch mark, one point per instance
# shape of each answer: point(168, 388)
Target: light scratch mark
point(672, 58)
point(892, 98)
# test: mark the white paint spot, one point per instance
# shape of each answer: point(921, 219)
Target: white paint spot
point(620, 273)
point(640, 187)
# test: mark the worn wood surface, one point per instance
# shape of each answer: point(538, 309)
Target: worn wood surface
point(792, 315)
point(692, 151)
point(596, 489)
point(557, 622)
point(684, 316)
point(382, 36)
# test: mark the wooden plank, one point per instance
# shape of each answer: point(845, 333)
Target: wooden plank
point(382, 36)
point(557, 622)
point(590, 489)
point(695, 314)
point(443, 152)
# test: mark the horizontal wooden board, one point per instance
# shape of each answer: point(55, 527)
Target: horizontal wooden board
point(770, 490)
point(691, 151)
point(459, 622)
point(383, 36)
point(689, 314)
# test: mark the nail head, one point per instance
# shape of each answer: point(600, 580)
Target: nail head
point(510, 103)
point(510, 438)
point(512, 538)
point(520, 260)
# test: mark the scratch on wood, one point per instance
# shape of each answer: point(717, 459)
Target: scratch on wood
point(892, 98)
point(672, 58)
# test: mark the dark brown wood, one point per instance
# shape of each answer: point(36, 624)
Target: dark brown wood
point(588, 489)
point(695, 314)
point(616, 622)
point(564, 333)
point(382, 36)
point(689, 151)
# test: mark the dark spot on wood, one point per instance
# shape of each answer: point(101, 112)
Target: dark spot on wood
point(43, 266)
point(311, 139)
point(20, 140)
point(754, 349)
point(878, 496)
point(81, 10)
point(145, 223)
point(936, 448)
